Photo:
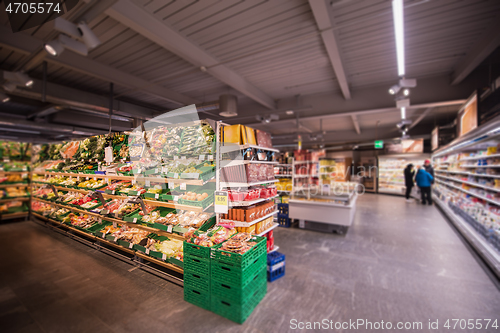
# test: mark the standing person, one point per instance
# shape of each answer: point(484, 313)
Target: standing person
point(424, 181)
point(429, 169)
point(409, 175)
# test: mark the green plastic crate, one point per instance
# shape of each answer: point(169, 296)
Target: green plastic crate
point(176, 262)
point(196, 250)
point(197, 297)
point(235, 311)
point(234, 276)
point(237, 294)
point(241, 260)
point(133, 217)
point(197, 265)
point(200, 282)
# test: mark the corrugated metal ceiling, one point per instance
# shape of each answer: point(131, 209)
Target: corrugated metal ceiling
point(276, 46)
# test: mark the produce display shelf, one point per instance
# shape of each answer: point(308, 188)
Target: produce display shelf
point(248, 224)
point(242, 162)
point(13, 215)
point(248, 203)
point(138, 178)
point(109, 243)
point(234, 147)
point(148, 202)
point(237, 184)
point(160, 263)
point(13, 172)
point(15, 199)
point(484, 249)
point(271, 228)
point(113, 220)
point(497, 203)
point(479, 157)
point(470, 183)
point(14, 185)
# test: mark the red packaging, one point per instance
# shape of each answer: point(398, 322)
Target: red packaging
point(252, 173)
point(264, 139)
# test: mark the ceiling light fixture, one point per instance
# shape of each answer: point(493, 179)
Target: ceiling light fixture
point(18, 78)
point(397, 11)
point(394, 89)
point(289, 112)
point(81, 32)
point(403, 113)
point(54, 48)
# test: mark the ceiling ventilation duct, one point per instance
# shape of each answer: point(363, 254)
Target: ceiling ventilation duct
point(228, 105)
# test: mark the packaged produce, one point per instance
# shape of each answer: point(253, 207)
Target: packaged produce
point(264, 139)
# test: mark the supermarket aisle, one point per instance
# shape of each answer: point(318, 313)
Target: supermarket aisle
point(399, 262)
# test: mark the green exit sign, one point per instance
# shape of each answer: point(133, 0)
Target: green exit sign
point(379, 144)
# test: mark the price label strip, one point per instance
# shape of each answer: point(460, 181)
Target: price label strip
point(221, 202)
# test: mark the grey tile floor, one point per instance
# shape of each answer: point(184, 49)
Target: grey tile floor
point(399, 262)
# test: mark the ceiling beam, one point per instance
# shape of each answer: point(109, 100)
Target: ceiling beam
point(324, 21)
point(43, 112)
point(27, 44)
point(356, 123)
point(421, 117)
point(478, 52)
point(360, 113)
point(69, 97)
point(138, 19)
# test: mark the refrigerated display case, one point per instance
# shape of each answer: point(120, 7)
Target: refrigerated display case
point(467, 189)
point(391, 178)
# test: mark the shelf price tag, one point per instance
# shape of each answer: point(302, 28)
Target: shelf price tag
point(183, 186)
point(176, 198)
point(114, 240)
point(169, 228)
point(210, 157)
point(135, 220)
point(171, 185)
point(147, 251)
point(202, 157)
point(157, 196)
point(163, 257)
point(131, 245)
point(176, 175)
point(148, 183)
point(221, 202)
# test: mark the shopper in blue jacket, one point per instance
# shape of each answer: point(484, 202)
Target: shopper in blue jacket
point(424, 181)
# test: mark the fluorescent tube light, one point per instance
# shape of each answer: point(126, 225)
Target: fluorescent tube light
point(397, 11)
point(403, 113)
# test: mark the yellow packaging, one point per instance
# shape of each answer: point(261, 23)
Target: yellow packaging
point(248, 135)
point(285, 198)
point(251, 229)
point(233, 134)
point(491, 150)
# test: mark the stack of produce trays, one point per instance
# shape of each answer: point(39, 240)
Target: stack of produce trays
point(239, 276)
point(197, 264)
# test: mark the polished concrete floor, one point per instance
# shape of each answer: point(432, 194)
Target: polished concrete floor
point(399, 262)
